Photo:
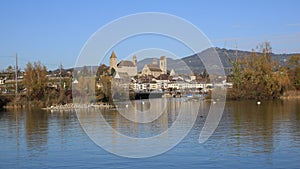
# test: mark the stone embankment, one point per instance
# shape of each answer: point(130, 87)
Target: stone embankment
point(72, 106)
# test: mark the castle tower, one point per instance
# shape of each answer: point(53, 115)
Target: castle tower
point(113, 60)
point(134, 60)
point(163, 64)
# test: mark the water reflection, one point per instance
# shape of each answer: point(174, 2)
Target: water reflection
point(36, 124)
point(33, 128)
point(156, 112)
point(125, 128)
point(167, 112)
point(267, 134)
point(249, 128)
point(244, 123)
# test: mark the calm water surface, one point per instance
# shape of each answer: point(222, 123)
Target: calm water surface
point(248, 136)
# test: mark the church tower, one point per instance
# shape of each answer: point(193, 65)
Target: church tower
point(113, 60)
point(163, 64)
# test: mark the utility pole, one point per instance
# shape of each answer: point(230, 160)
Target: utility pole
point(16, 73)
point(60, 77)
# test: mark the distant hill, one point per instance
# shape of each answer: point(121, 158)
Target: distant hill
point(194, 63)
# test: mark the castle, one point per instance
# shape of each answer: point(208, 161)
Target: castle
point(125, 66)
point(130, 67)
point(154, 69)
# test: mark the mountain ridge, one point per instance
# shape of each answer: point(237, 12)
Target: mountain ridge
point(194, 63)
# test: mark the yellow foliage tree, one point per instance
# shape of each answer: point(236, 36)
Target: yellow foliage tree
point(35, 80)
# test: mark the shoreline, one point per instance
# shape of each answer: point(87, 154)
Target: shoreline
point(293, 94)
point(72, 106)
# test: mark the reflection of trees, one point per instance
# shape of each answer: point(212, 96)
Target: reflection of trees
point(291, 114)
point(253, 125)
point(36, 129)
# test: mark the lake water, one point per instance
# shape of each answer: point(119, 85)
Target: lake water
point(248, 136)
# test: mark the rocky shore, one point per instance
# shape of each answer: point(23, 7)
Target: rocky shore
point(72, 106)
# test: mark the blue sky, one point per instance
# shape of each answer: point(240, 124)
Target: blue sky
point(54, 32)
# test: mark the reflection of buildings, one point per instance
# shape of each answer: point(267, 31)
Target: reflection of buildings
point(141, 110)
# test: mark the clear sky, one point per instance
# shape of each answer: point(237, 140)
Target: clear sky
point(54, 31)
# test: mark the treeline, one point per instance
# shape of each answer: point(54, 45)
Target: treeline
point(37, 89)
point(258, 76)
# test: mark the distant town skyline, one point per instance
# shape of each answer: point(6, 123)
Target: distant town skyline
point(54, 32)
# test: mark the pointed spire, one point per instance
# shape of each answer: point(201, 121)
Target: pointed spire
point(113, 55)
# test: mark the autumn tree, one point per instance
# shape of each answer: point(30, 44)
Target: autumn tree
point(102, 70)
point(35, 80)
point(257, 76)
point(293, 67)
point(262, 77)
